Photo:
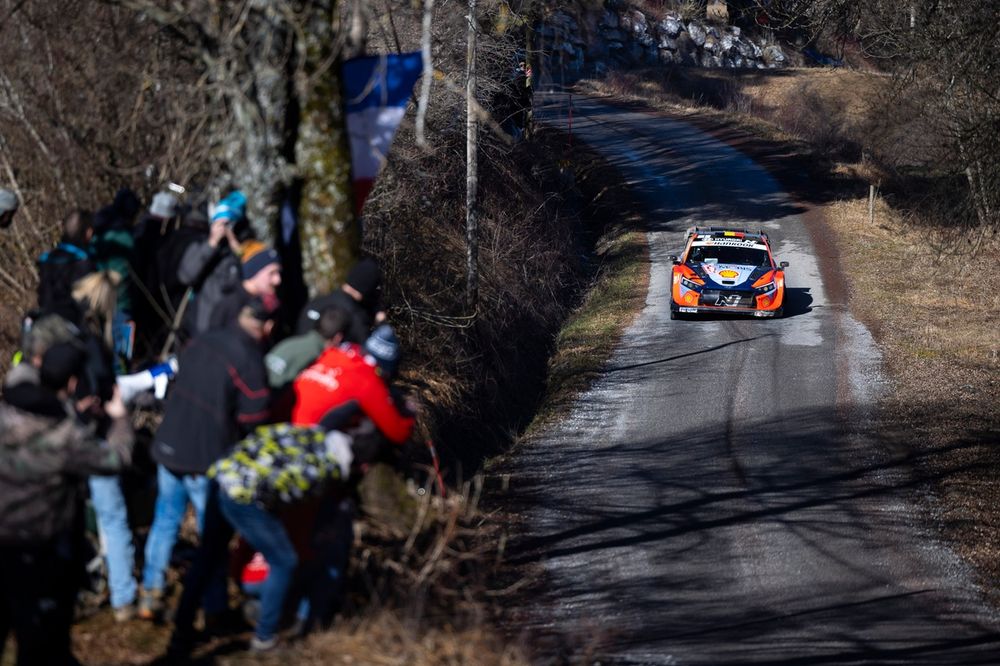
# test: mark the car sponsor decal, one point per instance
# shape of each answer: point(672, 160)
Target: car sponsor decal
point(729, 273)
point(728, 242)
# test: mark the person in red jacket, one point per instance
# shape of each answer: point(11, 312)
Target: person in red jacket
point(346, 389)
point(351, 376)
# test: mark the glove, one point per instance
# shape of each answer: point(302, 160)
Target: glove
point(338, 447)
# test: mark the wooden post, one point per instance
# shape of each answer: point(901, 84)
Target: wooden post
point(471, 173)
point(871, 204)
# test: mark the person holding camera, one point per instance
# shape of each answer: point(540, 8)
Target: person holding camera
point(212, 267)
point(46, 452)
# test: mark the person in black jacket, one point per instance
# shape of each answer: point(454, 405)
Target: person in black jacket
point(67, 262)
point(358, 298)
point(220, 394)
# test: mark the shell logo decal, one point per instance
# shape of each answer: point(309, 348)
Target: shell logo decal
point(729, 273)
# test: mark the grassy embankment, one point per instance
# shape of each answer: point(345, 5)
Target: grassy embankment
point(928, 291)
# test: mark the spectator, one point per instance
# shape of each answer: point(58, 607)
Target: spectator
point(220, 394)
point(112, 245)
point(292, 356)
point(274, 470)
point(95, 297)
point(260, 269)
point(212, 268)
point(358, 297)
point(93, 313)
point(193, 229)
point(8, 207)
point(46, 453)
point(153, 230)
point(360, 386)
point(69, 261)
point(359, 402)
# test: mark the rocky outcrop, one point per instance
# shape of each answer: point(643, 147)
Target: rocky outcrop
point(622, 36)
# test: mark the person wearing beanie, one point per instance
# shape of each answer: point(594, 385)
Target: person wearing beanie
point(383, 346)
point(359, 297)
point(211, 267)
point(260, 270)
point(8, 206)
point(47, 454)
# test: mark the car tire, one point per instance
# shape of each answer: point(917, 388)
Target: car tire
point(674, 314)
point(779, 313)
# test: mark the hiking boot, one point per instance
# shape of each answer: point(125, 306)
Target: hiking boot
point(124, 613)
point(150, 604)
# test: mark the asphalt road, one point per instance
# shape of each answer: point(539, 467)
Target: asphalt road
point(716, 497)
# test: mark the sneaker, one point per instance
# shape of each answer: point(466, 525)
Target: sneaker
point(150, 604)
point(124, 613)
point(263, 645)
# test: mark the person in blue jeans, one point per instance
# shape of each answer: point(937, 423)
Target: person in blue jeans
point(116, 540)
point(220, 393)
point(173, 492)
point(275, 467)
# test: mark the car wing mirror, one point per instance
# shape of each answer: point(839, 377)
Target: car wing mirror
point(673, 258)
point(783, 264)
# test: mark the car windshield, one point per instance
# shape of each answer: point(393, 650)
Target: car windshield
point(719, 254)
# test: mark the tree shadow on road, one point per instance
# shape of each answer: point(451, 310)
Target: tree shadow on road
point(788, 541)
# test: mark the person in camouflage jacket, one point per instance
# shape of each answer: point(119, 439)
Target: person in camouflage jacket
point(46, 453)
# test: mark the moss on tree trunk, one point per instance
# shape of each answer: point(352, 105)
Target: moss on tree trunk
point(329, 229)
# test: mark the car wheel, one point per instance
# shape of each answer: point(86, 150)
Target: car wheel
point(779, 313)
point(674, 314)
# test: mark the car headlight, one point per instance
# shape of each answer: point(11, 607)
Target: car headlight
point(765, 289)
point(694, 286)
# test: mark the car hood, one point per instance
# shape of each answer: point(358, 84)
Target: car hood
point(729, 276)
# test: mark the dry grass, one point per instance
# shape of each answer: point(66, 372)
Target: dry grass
point(383, 639)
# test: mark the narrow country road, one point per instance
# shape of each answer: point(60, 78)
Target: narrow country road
point(715, 498)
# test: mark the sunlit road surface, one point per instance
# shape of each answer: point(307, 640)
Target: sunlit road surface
point(716, 498)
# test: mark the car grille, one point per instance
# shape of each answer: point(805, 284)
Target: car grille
point(728, 299)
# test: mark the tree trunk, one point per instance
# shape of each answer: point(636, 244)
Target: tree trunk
point(472, 175)
point(330, 232)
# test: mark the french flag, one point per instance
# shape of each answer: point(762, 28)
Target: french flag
point(377, 89)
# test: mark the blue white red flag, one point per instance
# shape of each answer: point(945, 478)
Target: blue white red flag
point(377, 89)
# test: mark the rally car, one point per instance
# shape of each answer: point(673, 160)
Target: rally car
point(729, 271)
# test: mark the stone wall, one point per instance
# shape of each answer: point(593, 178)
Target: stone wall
point(626, 37)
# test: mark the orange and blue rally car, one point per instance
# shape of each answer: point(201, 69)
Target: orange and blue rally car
point(728, 271)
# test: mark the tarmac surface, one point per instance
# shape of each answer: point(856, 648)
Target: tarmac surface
point(718, 496)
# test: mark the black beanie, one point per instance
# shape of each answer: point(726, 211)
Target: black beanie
point(60, 362)
point(366, 277)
